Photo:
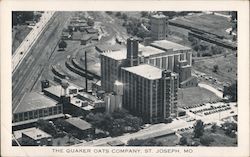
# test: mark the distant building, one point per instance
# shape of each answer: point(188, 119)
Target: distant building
point(150, 92)
point(36, 137)
point(79, 128)
point(158, 26)
point(36, 106)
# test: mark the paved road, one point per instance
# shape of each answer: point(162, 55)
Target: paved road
point(24, 78)
point(30, 39)
point(212, 89)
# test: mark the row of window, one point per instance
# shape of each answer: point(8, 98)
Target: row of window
point(37, 113)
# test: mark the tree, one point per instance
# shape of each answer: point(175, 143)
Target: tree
point(62, 45)
point(183, 141)
point(144, 14)
point(198, 128)
point(215, 68)
point(47, 127)
point(231, 91)
point(90, 22)
point(124, 16)
point(214, 128)
point(206, 140)
point(118, 14)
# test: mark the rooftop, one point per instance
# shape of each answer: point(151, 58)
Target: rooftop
point(36, 133)
point(159, 15)
point(55, 90)
point(79, 123)
point(146, 71)
point(149, 50)
point(166, 45)
point(117, 55)
point(107, 47)
point(34, 101)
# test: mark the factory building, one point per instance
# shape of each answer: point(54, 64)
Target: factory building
point(171, 56)
point(158, 26)
point(36, 106)
point(111, 63)
point(150, 92)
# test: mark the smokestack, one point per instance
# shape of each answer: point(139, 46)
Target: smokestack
point(86, 68)
point(132, 51)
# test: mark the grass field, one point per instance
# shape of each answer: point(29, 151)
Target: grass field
point(195, 95)
point(220, 139)
point(169, 140)
point(18, 35)
point(227, 71)
point(208, 22)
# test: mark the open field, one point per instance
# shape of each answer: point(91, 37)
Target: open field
point(207, 22)
point(220, 139)
point(195, 95)
point(18, 34)
point(227, 71)
point(171, 140)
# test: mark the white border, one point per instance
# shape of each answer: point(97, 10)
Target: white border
point(243, 68)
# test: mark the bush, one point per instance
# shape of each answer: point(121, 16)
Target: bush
point(206, 140)
point(183, 141)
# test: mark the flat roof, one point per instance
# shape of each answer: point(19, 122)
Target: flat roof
point(146, 71)
point(55, 90)
point(36, 133)
point(107, 47)
point(34, 101)
point(149, 50)
point(166, 45)
point(116, 55)
point(79, 123)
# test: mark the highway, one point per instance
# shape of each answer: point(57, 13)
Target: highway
point(30, 39)
point(26, 75)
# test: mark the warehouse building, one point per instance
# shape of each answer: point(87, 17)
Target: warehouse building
point(36, 137)
point(36, 106)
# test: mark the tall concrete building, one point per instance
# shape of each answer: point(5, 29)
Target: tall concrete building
point(150, 92)
point(158, 26)
point(111, 63)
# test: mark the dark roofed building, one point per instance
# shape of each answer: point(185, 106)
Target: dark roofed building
point(79, 128)
point(92, 30)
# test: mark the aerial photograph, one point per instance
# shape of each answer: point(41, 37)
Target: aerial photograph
point(124, 78)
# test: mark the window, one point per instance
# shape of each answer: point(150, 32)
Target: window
point(40, 113)
point(30, 115)
point(35, 114)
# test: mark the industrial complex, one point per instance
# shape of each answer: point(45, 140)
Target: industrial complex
point(143, 79)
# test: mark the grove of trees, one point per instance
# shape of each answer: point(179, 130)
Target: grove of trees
point(116, 124)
